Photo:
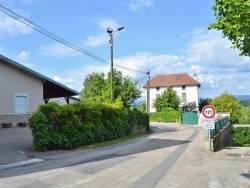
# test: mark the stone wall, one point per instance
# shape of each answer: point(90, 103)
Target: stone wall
point(14, 119)
point(222, 139)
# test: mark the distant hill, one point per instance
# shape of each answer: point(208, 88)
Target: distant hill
point(244, 100)
point(242, 97)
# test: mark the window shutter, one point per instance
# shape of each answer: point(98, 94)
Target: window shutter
point(20, 104)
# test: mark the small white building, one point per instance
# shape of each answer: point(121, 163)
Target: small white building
point(186, 87)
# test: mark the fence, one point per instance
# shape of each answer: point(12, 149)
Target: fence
point(219, 124)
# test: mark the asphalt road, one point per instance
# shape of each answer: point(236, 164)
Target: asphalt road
point(173, 156)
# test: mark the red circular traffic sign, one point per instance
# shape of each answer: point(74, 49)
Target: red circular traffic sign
point(208, 111)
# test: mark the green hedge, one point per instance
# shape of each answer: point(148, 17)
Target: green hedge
point(241, 136)
point(167, 117)
point(71, 126)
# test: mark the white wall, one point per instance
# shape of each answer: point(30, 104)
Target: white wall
point(14, 81)
point(191, 94)
point(62, 101)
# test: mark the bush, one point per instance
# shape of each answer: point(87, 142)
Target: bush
point(168, 116)
point(241, 136)
point(71, 126)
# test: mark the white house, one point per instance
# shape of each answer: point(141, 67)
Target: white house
point(186, 87)
point(23, 90)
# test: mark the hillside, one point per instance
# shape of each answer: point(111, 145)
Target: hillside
point(244, 100)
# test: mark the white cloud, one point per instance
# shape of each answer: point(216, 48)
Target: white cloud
point(211, 48)
point(66, 81)
point(24, 59)
point(101, 37)
point(218, 67)
point(144, 61)
point(58, 50)
point(12, 27)
point(136, 5)
point(75, 78)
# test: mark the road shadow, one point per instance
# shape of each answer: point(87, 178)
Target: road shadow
point(125, 149)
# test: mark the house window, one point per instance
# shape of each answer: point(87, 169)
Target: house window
point(157, 88)
point(20, 103)
point(184, 97)
point(158, 95)
point(183, 88)
point(162, 78)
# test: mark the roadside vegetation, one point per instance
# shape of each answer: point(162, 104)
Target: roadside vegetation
point(241, 136)
point(72, 126)
point(167, 107)
point(95, 119)
point(239, 114)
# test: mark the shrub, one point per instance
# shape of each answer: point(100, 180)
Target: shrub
point(168, 116)
point(241, 136)
point(71, 126)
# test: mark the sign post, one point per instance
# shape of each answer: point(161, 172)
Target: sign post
point(208, 122)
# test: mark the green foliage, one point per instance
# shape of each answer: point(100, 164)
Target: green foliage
point(233, 19)
point(227, 103)
point(203, 102)
point(94, 85)
point(169, 115)
point(241, 136)
point(97, 89)
point(244, 115)
point(245, 103)
point(143, 107)
point(71, 126)
point(168, 99)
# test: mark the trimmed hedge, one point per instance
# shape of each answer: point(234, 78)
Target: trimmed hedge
point(167, 117)
point(70, 126)
point(241, 136)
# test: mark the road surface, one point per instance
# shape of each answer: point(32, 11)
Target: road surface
point(173, 156)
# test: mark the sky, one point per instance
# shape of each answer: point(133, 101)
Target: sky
point(163, 36)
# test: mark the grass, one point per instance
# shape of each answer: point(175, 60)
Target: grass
point(118, 140)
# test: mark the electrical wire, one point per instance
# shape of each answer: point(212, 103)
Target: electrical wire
point(58, 39)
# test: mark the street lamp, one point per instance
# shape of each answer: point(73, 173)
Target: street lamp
point(110, 32)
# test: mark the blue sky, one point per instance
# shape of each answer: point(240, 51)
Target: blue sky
point(162, 36)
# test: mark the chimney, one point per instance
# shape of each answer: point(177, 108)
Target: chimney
point(195, 77)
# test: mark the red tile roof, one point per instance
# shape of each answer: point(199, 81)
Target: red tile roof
point(172, 80)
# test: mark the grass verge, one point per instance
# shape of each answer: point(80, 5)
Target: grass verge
point(118, 140)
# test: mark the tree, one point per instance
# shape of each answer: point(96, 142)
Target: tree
point(143, 107)
point(227, 103)
point(93, 87)
point(204, 102)
point(97, 88)
point(233, 19)
point(124, 88)
point(168, 99)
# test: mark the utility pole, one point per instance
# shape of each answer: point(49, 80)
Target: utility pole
point(110, 32)
point(148, 98)
point(112, 65)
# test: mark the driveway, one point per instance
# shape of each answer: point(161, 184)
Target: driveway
point(17, 145)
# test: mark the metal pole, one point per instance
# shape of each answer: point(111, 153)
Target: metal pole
point(209, 139)
point(111, 71)
point(148, 99)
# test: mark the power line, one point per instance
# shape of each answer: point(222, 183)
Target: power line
point(58, 39)
point(142, 78)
